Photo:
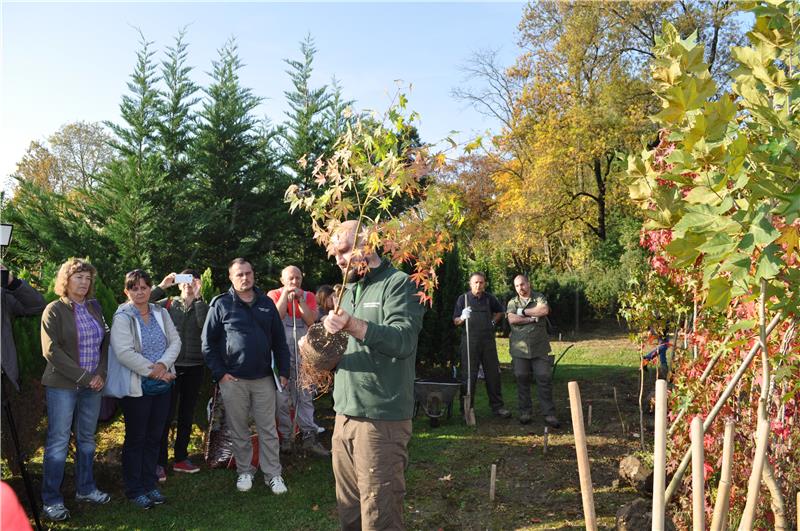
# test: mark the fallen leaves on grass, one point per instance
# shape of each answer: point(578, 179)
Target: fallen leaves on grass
point(448, 477)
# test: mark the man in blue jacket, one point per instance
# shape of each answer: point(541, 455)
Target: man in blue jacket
point(242, 331)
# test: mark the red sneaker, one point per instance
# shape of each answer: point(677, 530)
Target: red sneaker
point(186, 467)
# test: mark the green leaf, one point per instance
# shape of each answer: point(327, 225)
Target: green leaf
point(719, 293)
point(685, 249)
point(702, 195)
point(718, 247)
point(762, 230)
point(769, 265)
point(745, 324)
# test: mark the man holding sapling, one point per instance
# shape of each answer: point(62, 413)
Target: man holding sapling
point(298, 310)
point(530, 350)
point(483, 311)
point(373, 390)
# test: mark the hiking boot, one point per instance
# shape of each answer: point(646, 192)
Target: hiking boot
point(56, 513)
point(185, 467)
point(276, 484)
point(503, 413)
point(286, 446)
point(244, 482)
point(525, 418)
point(161, 474)
point(96, 496)
point(156, 497)
point(313, 446)
point(142, 501)
point(552, 421)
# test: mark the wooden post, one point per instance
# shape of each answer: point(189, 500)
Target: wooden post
point(546, 433)
point(719, 522)
point(492, 481)
point(587, 493)
point(698, 481)
point(660, 455)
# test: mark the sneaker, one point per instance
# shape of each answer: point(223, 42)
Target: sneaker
point(313, 446)
point(503, 413)
point(320, 430)
point(142, 501)
point(96, 496)
point(56, 513)
point(552, 421)
point(185, 467)
point(244, 482)
point(277, 485)
point(161, 473)
point(156, 497)
point(525, 418)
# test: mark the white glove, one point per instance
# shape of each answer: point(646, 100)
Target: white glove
point(466, 313)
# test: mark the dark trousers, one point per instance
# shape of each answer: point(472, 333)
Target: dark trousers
point(539, 369)
point(183, 399)
point(482, 351)
point(145, 417)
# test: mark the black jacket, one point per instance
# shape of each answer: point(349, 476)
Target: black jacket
point(242, 340)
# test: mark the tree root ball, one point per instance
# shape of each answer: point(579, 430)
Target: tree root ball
point(320, 354)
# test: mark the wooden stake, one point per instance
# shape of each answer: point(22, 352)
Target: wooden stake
point(619, 413)
point(492, 481)
point(698, 481)
point(719, 521)
point(587, 493)
point(660, 455)
point(589, 415)
point(546, 433)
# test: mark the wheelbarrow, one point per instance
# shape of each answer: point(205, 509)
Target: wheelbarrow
point(435, 396)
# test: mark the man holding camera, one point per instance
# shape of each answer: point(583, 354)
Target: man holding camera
point(530, 350)
point(19, 299)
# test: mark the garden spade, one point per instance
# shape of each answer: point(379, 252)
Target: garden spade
point(469, 411)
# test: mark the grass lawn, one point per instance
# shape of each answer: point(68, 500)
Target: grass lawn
point(448, 474)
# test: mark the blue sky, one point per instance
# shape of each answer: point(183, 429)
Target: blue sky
point(64, 62)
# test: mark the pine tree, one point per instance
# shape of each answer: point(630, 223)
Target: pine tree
point(127, 208)
point(237, 191)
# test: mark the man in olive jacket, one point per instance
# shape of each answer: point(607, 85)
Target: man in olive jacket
point(530, 350)
point(373, 390)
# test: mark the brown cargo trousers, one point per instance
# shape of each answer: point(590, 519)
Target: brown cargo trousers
point(369, 462)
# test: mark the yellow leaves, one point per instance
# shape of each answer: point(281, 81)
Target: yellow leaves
point(790, 237)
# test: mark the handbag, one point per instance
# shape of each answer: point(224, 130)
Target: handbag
point(118, 377)
point(153, 386)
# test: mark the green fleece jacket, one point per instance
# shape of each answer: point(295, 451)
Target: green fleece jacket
point(375, 378)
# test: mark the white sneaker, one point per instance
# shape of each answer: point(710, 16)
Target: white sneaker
point(277, 485)
point(245, 482)
point(320, 429)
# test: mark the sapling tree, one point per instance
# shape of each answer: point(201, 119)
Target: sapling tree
point(376, 165)
point(721, 196)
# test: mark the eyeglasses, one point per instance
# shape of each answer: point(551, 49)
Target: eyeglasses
point(134, 289)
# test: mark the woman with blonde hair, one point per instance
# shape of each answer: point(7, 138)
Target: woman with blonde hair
point(144, 340)
point(75, 344)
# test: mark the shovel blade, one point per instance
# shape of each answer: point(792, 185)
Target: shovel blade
point(469, 412)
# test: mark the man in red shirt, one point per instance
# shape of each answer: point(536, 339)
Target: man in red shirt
point(298, 310)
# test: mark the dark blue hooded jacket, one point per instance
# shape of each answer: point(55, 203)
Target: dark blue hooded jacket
point(241, 340)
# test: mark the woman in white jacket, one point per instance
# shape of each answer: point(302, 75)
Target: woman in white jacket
point(144, 340)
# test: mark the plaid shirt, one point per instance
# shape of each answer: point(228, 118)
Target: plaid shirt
point(90, 336)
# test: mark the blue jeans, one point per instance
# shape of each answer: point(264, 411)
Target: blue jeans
point(65, 408)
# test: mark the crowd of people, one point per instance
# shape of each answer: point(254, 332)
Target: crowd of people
point(154, 353)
